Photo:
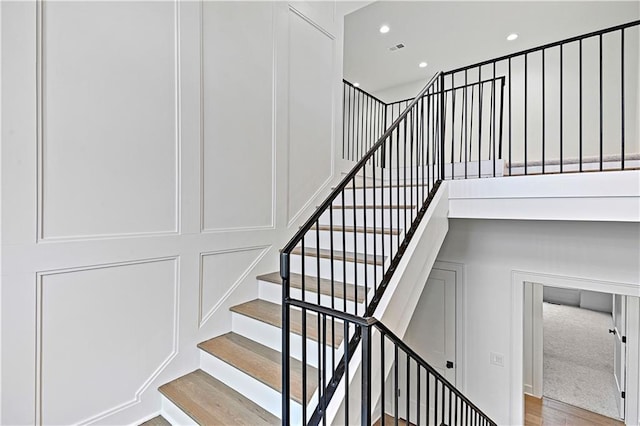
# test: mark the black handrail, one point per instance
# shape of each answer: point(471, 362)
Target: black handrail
point(364, 326)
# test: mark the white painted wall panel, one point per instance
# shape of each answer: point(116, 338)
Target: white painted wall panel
point(162, 123)
point(238, 136)
point(109, 142)
point(221, 273)
point(104, 334)
point(311, 59)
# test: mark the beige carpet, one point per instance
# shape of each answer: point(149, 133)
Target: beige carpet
point(578, 358)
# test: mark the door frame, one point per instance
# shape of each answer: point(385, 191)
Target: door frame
point(518, 279)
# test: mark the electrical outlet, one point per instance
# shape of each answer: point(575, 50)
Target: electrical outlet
point(497, 359)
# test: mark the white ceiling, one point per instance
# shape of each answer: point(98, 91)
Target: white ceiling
point(449, 34)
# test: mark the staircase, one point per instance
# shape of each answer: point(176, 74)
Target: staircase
point(319, 345)
point(240, 376)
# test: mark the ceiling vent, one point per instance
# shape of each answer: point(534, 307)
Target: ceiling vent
point(396, 47)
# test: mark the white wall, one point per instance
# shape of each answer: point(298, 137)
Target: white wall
point(152, 165)
point(490, 251)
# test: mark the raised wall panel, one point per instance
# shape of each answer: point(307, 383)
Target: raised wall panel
point(311, 84)
point(104, 334)
point(108, 99)
point(237, 114)
point(221, 272)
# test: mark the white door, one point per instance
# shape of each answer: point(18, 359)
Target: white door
point(620, 347)
point(432, 334)
point(436, 323)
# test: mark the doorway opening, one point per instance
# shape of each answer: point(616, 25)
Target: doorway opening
point(575, 347)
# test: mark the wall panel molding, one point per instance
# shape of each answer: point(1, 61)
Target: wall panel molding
point(273, 102)
point(40, 324)
point(41, 143)
point(203, 316)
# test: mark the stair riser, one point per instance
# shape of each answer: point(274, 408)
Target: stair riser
point(174, 415)
point(273, 293)
point(258, 392)
point(383, 218)
point(352, 244)
point(341, 272)
point(271, 337)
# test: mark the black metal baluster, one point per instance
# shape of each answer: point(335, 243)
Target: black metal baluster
point(580, 104)
point(407, 394)
point(493, 119)
point(418, 394)
point(510, 117)
point(395, 383)
point(443, 402)
point(601, 102)
point(366, 258)
point(304, 363)
point(480, 100)
point(435, 404)
point(471, 125)
point(323, 384)
point(526, 90)
point(366, 375)
point(427, 396)
point(450, 407)
point(375, 235)
point(345, 344)
point(453, 127)
point(622, 99)
point(543, 111)
point(333, 283)
point(344, 259)
point(404, 166)
point(354, 142)
point(561, 103)
point(466, 122)
point(398, 183)
point(382, 376)
point(344, 124)
point(355, 246)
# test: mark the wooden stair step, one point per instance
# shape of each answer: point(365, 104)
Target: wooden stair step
point(311, 284)
point(156, 421)
point(358, 230)
point(340, 255)
point(260, 362)
point(271, 313)
point(210, 402)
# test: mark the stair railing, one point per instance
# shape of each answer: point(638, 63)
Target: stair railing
point(375, 211)
point(473, 113)
point(571, 105)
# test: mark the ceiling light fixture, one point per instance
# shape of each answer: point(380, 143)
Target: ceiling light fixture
point(512, 36)
point(384, 29)
point(356, 84)
point(422, 64)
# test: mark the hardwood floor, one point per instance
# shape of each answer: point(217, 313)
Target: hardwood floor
point(547, 411)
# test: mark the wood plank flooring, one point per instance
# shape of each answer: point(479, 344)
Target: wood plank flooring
point(548, 411)
point(311, 284)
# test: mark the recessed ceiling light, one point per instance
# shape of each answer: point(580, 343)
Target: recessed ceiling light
point(512, 37)
point(422, 64)
point(356, 84)
point(384, 29)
